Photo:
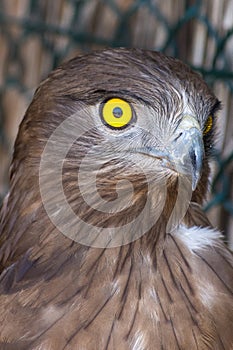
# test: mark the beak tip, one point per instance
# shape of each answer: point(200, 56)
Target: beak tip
point(195, 180)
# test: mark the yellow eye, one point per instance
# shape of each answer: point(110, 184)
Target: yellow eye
point(208, 125)
point(116, 113)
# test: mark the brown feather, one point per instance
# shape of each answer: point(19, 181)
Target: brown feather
point(153, 293)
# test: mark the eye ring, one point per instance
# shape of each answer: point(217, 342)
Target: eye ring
point(116, 113)
point(208, 125)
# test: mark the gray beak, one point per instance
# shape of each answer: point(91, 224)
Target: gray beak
point(187, 154)
point(183, 153)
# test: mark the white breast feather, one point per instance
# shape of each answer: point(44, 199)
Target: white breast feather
point(138, 342)
point(197, 238)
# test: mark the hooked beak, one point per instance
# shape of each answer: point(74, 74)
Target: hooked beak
point(184, 154)
point(190, 147)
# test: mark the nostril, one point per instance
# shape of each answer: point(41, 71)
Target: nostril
point(180, 134)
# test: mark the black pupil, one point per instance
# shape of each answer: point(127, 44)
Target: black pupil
point(117, 112)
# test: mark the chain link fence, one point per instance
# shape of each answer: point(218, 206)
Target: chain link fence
point(37, 35)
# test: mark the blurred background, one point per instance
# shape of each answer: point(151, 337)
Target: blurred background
point(37, 35)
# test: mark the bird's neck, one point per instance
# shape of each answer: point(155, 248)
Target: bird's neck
point(30, 224)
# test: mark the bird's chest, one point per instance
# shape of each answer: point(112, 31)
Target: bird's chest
point(133, 304)
point(142, 308)
point(143, 305)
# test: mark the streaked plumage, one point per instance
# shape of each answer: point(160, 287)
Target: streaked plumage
point(163, 290)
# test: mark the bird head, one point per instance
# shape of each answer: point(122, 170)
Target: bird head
point(117, 138)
